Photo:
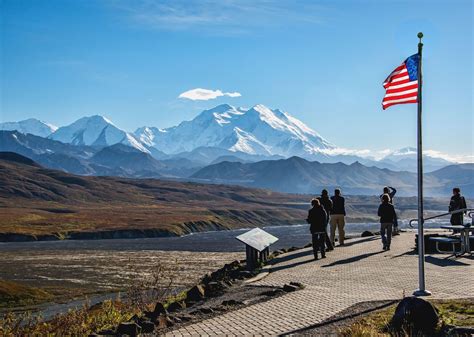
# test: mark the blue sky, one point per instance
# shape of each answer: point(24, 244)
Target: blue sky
point(322, 61)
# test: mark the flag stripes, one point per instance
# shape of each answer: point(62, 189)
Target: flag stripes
point(401, 86)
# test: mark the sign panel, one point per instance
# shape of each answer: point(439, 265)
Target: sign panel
point(257, 238)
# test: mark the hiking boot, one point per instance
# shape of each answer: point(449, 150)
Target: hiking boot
point(323, 256)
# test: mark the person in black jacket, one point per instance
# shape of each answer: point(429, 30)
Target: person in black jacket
point(387, 215)
point(317, 220)
point(327, 204)
point(338, 214)
point(391, 193)
point(457, 202)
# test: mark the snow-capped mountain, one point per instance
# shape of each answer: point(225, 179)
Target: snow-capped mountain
point(258, 130)
point(406, 159)
point(32, 126)
point(96, 131)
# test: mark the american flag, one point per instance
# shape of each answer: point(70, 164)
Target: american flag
point(402, 84)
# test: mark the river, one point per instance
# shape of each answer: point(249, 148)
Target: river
point(76, 268)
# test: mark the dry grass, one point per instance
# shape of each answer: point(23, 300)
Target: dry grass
point(452, 312)
point(142, 294)
point(15, 294)
point(80, 322)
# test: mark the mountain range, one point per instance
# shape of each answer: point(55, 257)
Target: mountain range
point(252, 147)
point(298, 175)
point(236, 134)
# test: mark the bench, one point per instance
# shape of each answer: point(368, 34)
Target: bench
point(452, 241)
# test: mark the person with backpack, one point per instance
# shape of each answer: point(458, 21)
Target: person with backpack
point(391, 193)
point(387, 215)
point(327, 204)
point(317, 220)
point(338, 214)
point(457, 202)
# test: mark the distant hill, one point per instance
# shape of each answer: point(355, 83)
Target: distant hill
point(115, 160)
point(297, 175)
point(45, 203)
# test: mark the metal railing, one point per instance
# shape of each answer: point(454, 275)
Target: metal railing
point(470, 214)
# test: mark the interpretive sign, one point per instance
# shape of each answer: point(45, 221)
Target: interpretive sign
point(257, 238)
point(257, 243)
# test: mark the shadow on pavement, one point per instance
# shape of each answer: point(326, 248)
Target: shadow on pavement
point(444, 262)
point(352, 259)
point(291, 257)
point(371, 238)
point(410, 252)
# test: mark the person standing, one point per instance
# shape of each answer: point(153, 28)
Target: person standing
point(391, 193)
point(386, 212)
point(317, 220)
point(457, 202)
point(337, 217)
point(327, 204)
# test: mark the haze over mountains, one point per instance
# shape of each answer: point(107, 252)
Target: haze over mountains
point(229, 139)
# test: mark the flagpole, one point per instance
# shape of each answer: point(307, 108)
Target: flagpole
point(421, 291)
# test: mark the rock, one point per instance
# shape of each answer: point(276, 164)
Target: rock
point(183, 318)
point(271, 293)
point(164, 322)
point(134, 318)
point(196, 293)
point(153, 315)
point(218, 309)
point(107, 332)
point(159, 309)
point(460, 332)
point(366, 234)
point(240, 274)
point(415, 316)
point(128, 328)
point(245, 274)
point(297, 284)
point(214, 288)
point(206, 311)
point(308, 245)
point(231, 303)
point(175, 306)
point(292, 249)
point(147, 326)
point(289, 288)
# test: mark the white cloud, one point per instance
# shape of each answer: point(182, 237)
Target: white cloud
point(200, 94)
point(450, 157)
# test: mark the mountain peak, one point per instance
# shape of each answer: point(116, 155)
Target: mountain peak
point(31, 125)
point(96, 119)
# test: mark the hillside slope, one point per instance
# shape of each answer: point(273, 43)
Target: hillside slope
point(51, 204)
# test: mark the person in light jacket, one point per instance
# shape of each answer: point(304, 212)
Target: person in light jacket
point(338, 214)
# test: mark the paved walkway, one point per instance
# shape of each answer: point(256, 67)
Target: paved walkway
point(359, 271)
